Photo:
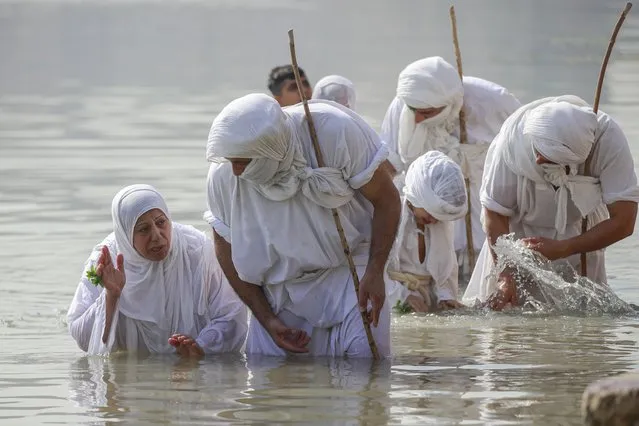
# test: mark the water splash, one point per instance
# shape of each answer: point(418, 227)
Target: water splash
point(554, 287)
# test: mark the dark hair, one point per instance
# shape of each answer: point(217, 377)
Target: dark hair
point(279, 75)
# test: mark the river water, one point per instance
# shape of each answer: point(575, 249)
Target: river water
point(98, 94)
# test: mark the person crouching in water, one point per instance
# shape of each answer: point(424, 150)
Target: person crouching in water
point(161, 288)
point(423, 260)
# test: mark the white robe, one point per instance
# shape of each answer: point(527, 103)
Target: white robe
point(611, 162)
point(486, 105)
point(220, 327)
point(292, 247)
point(405, 259)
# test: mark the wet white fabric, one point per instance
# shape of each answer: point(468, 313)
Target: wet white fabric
point(337, 89)
point(348, 338)
point(486, 105)
point(184, 293)
point(255, 126)
point(561, 129)
point(292, 247)
point(531, 202)
point(435, 183)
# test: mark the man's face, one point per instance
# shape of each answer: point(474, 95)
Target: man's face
point(290, 94)
point(422, 114)
point(239, 165)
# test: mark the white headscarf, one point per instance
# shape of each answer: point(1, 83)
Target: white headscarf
point(562, 130)
point(435, 183)
point(428, 83)
point(255, 126)
point(337, 89)
point(158, 293)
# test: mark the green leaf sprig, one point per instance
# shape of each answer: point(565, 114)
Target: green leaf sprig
point(92, 275)
point(402, 308)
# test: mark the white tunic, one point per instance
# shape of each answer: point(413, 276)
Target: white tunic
point(486, 106)
point(406, 260)
point(220, 322)
point(611, 162)
point(292, 247)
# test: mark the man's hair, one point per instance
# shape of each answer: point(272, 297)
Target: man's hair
point(279, 75)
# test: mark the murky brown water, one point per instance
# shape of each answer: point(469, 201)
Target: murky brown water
point(101, 94)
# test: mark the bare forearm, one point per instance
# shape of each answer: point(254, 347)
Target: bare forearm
point(600, 236)
point(252, 295)
point(496, 226)
point(385, 222)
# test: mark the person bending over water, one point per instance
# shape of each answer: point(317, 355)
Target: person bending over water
point(162, 288)
point(424, 259)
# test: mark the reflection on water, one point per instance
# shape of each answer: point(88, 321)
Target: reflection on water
point(97, 95)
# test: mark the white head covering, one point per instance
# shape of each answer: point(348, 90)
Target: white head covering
point(435, 183)
point(337, 89)
point(562, 130)
point(428, 83)
point(255, 126)
point(158, 293)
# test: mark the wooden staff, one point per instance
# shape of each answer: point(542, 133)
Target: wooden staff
point(463, 138)
point(338, 222)
point(595, 108)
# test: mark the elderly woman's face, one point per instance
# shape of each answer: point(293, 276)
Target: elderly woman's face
point(152, 235)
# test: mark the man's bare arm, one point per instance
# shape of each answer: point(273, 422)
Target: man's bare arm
point(620, 225)
point(384, 197)
point(252, 295)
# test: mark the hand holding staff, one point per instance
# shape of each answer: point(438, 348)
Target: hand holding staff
point(338, 223)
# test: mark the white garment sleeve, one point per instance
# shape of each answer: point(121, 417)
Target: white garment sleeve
point(613, 163)
point(390, 133)
point(220, 185)
point(499, 186)
point(228, 324)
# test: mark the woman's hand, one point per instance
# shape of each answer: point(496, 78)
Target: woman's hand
point(186, 346)
point(113, 278)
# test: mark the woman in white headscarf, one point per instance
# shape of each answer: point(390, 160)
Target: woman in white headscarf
point(534, 186)
point(162, 289)
point(337, 89)
point(424, 116)
point(423, 258)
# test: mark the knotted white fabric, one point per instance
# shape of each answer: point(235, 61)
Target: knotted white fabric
point(435, 183)
point(157, 294)
point(255, 126)
point(562, 130)
point(337, 89)
point(428, 83)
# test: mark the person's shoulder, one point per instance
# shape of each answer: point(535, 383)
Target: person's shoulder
point(194, 238)
point(109, 242)
point(609, 136)
point(480, 90)
point(221, 174)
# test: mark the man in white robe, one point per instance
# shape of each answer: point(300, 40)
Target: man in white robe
point(534, 186)
point(423, 259)
point(424, 116)
point(276, 240)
